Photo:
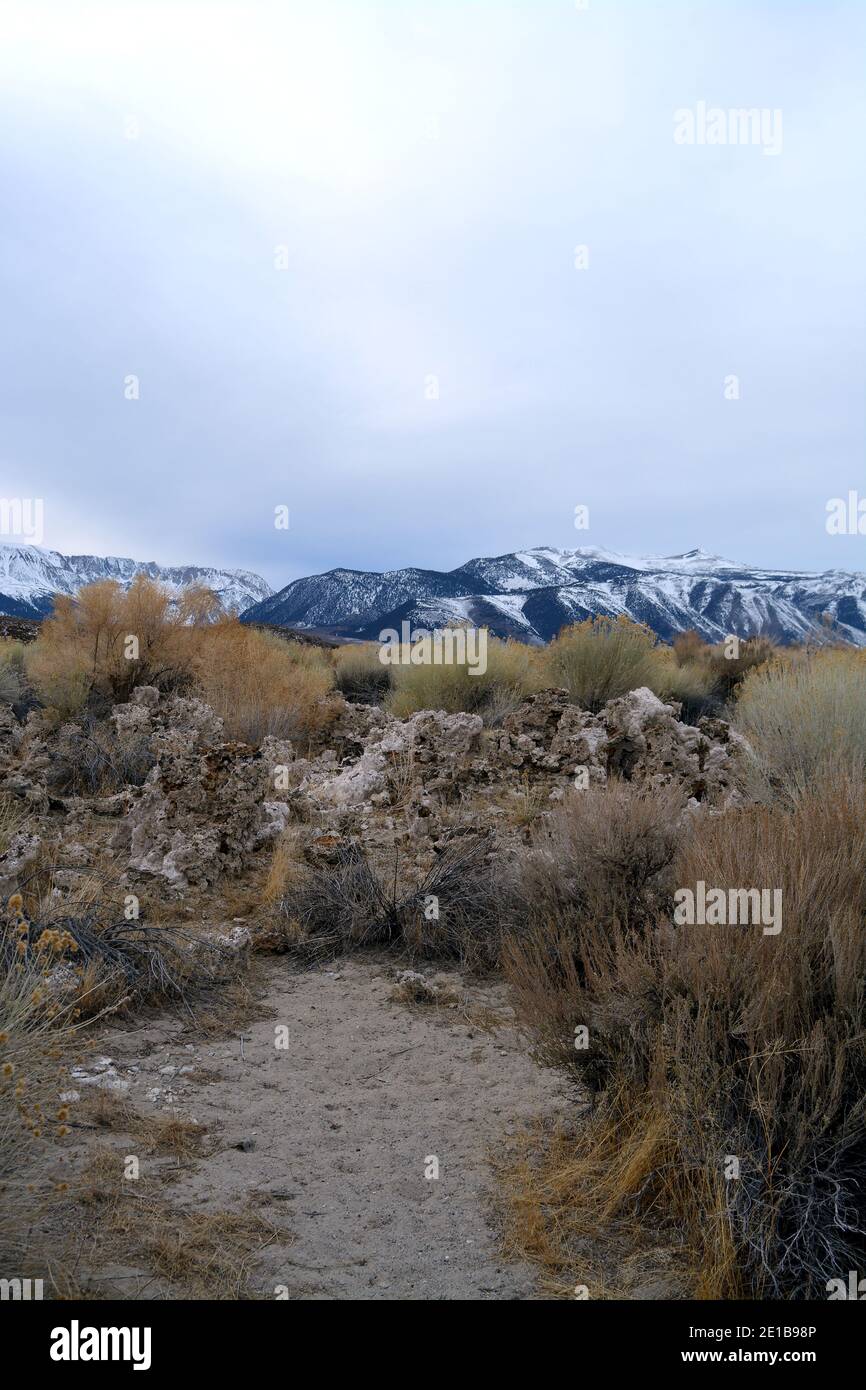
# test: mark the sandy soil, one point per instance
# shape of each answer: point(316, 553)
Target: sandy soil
point(332, 1135)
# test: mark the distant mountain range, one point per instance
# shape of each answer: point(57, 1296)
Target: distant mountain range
point(30, 578)
point(531, 594)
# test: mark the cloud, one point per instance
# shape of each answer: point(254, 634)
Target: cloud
point(429, 377)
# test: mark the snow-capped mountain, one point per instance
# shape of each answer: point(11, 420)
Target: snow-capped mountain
point(531, 594)
point(31, 577)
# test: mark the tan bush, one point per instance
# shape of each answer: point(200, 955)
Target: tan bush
point(689, 647)
point(693, 684)
point(716, 1041)
point(602, 658)
point(805, 713)
point(597, 871)
point(261, 684)
point(257, 682)
point(702, 678)
point(512, 674)
point(107, 641)
point(58, 671)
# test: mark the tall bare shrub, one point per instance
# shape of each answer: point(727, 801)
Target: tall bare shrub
point(712, 1043)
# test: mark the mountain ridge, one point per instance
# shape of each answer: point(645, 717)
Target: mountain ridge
point(532, 593)
point(31, 577)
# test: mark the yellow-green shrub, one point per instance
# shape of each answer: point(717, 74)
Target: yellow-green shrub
point(512, 673)
point(12, 679)
point(804, 713)
point(601, 658)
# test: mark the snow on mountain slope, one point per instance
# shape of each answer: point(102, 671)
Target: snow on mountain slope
point(31, 577)
point(533, 593)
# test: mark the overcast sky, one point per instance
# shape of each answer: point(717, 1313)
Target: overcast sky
point(296, 223)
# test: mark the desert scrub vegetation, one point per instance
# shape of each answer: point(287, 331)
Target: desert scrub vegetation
point(703, 678)
point(85, 659)
point(359, 675)
point(90, 963)
point(804, 712)
point(106, 641)
point(12, 819)
point(350, 904)
point(196, 1254)
point(37, 1035)
point(90, 758)
point(599, 866)
point(710, 1043)
point(512, 673)
point(602, 658)
point(260, 684)
point(13, 680)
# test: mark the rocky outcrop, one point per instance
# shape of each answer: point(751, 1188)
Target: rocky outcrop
point(25, 759)
point(207, 804)
point(21, 857)
point(149, 712)
point(400, 786)
point(636, 737)
point(431, 748)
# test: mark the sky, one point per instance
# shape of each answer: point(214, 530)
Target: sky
point(432, 277)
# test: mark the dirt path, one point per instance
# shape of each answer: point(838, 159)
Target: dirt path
point(338, 1129)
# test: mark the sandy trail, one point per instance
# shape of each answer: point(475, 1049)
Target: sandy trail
point(338, 1128)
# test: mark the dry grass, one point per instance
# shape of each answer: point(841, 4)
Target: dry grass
point(199, 1255)
point(416, 990)
point(525, 806)
point(286, 866)
point(36, 1031)
point(164, 1136)
point(13, 818)
point(229, 1009)
point(805, 714)
point(568, 1198)
point(37, 1038)
point(13, 680)
point(707, 1043)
